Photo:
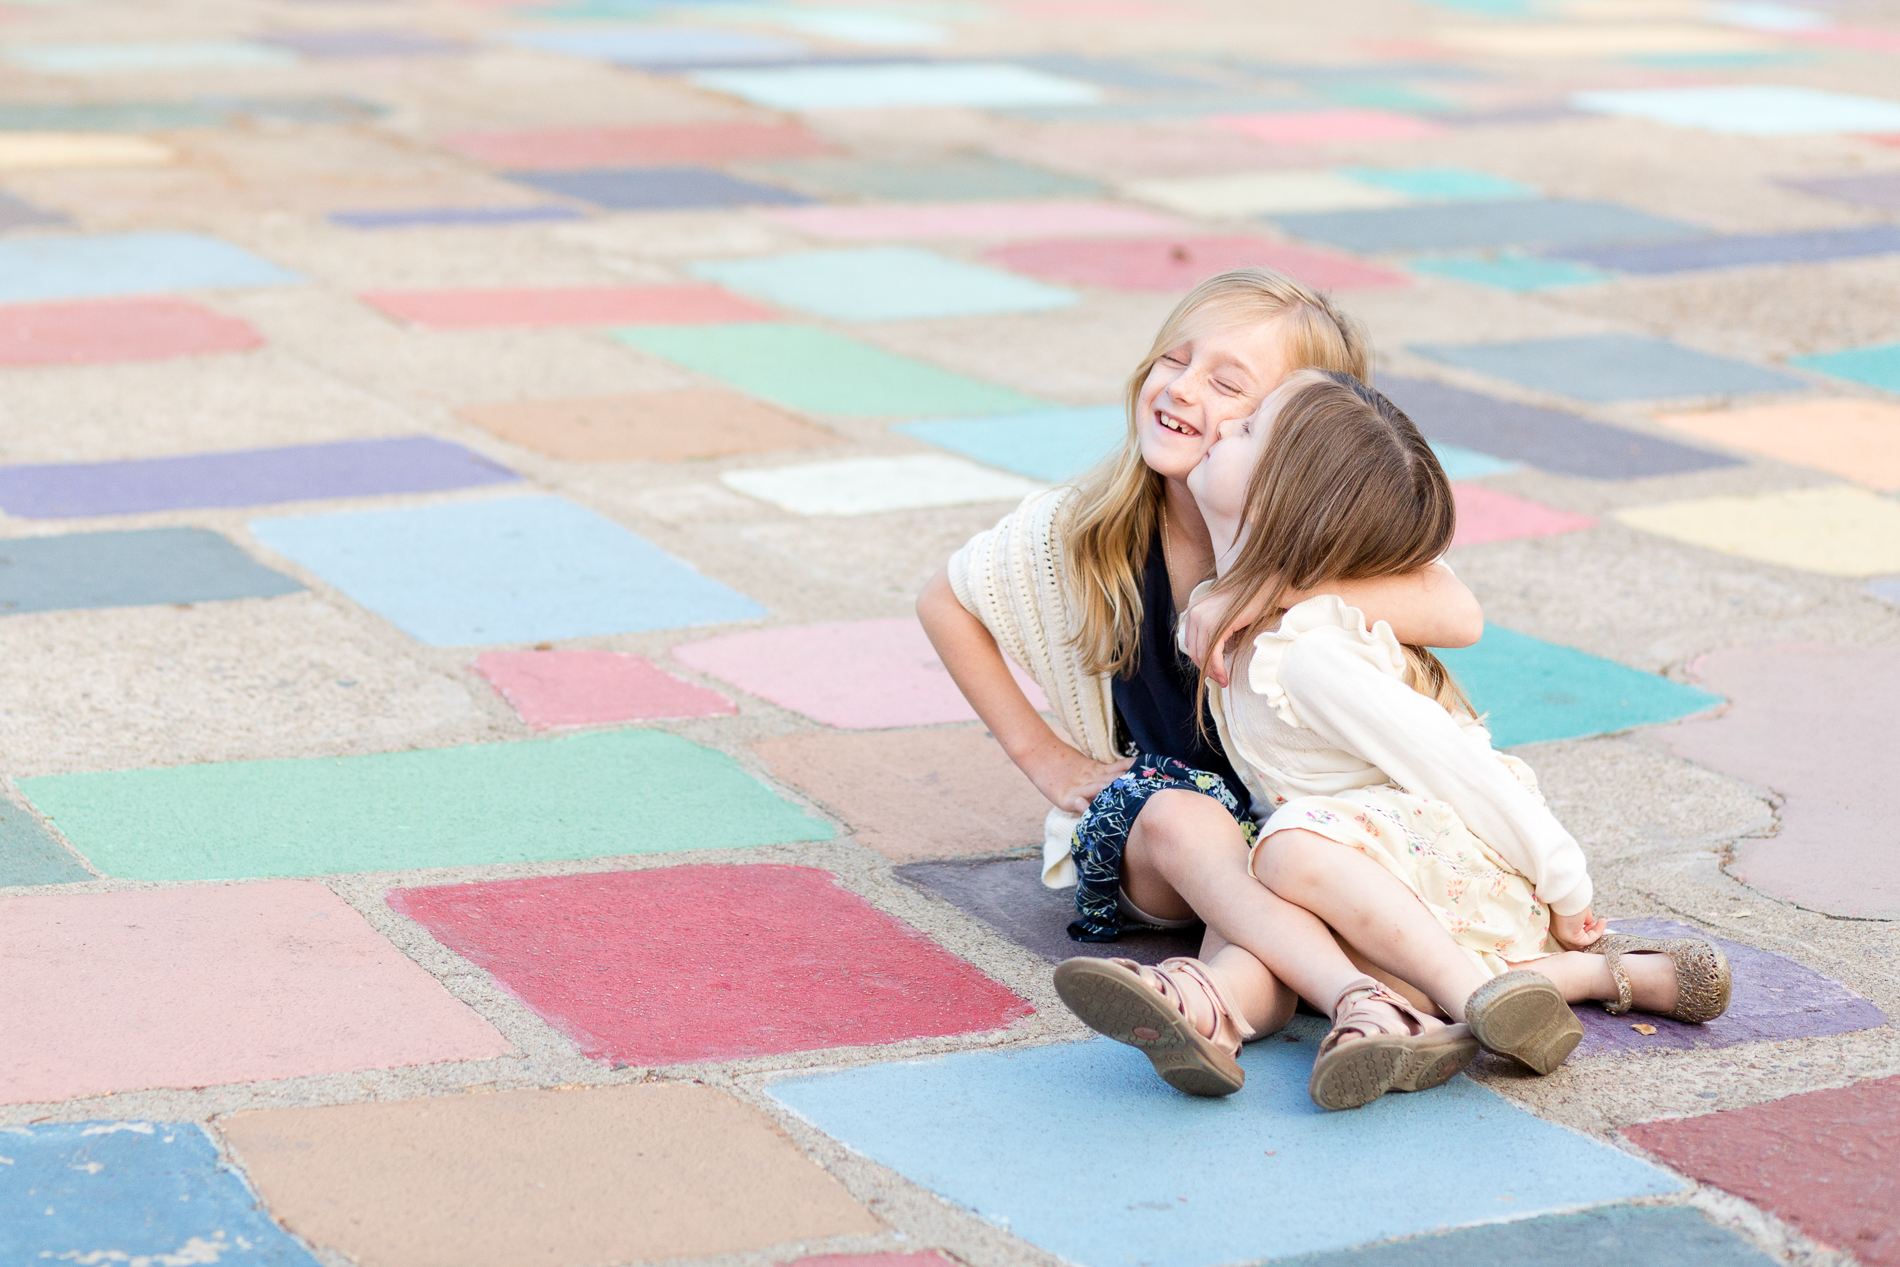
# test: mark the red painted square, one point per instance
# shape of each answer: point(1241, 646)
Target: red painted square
point(594, 688)
point(577, 306)
point(1824, 1161)
point(101, 331)
point(1319, 127)
point(666, 145)
point(1485, 514)
point(679, 964)
point(1176, 264)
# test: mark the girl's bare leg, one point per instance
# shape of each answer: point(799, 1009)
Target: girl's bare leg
point(1265, 1003)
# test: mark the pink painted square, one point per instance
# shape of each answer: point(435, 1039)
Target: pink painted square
point(1485, 514)
point(855, 675)
point(924, 221)
point(577, 306)
point(676, 964)
point(213, 984)
point(1319, 127)
point(1175, 264)
point(573, 149)
point(551, 689)
point(99, 332)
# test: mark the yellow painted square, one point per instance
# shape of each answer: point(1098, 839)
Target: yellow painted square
point(1858, 440)
point(1586, 40)
point(27, 151)
point(1839, 531)
point(1257, 193)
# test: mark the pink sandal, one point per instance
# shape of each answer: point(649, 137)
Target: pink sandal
point(1146, 1008)
point(1348, 1074)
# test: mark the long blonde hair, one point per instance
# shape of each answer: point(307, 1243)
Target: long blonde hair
point(1117, 506)
point(1346, 489)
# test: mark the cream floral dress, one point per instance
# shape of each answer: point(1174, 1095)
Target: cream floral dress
point(1325, 728)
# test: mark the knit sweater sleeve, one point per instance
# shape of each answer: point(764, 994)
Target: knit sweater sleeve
point(1323, 669)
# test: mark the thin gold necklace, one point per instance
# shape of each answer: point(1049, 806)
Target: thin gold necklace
point(1167, 556)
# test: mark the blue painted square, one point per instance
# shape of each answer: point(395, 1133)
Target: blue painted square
point(1129, 76)
point(140, 568)
point(1477, 226)
point(30, 855)
point(976, 85)
point(1653, 1236)
point(884, 283)
point(517, 569)
point(451, 217)
point(1509, 270)
point(1609, 367)
point(40, 268)
point(1469, 464)
point(1443, 184)
point(1079, 1149)
point(150, 1193)
point(1384, 96)
point(1534, 691)
point(663, 47)
point(148, 56)
point(1053, 445)
point(1739, 250)
point(1877, 366)
point(659, 188)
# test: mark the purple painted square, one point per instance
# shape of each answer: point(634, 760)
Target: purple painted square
point(17, 213)
point(1736, 251)
point(370, 42)
point(1774, 998)
point(660, 188)
point(247, 477)
point(1863, 189)
point(454, 217)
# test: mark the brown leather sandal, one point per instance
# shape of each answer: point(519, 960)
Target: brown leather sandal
point(1145, 1008)
point(1349, 1073)
point(1702, 975)
point(1523, 1015)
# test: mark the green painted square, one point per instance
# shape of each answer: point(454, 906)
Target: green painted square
point(1442, 184)
point(820, 372)
point(584, 796)
point(1876, 366)
point(30, 855)
point(1510, 270)
point(1384, 97)
point(1534, 691)
point(972, 177)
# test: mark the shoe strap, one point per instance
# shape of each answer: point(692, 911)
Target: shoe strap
point(1224, 1006)
point(1611, 946)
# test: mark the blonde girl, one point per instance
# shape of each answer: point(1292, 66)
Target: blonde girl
point(1080, 586)
point(1392, 818)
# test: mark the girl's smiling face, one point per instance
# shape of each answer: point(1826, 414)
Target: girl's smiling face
point(1219, 376)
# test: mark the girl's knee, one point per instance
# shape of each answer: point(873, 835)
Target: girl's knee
point(1176, 824)
point(1292, 858)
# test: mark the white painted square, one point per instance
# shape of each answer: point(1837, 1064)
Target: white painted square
point(1257, 193)
point(974, 84)
point(1757, 110)
point(869, 486)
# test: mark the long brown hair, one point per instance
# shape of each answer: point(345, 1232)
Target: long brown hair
point(1117, 506)
point(1346, 489)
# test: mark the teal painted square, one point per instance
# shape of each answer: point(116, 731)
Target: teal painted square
point(513, 569)
point(30, 855)
point(816, 371)
point(1080, 1150)
point(964, 178)
point(1375, 96)
point(1469, 464)
point(1053, 445)
point(1442, 184)
point(141, 1194)
point(545, 800)
point(1533, 691)
point(1653, 1236)
point(886, 283)
point(1877, 366)
point(1510, 270)
point(149, 56)
point(73, 267)
point(142, 567)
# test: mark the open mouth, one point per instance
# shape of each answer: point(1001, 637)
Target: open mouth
point(1175, 425)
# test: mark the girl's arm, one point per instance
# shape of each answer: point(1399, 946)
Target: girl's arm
point(1070, 779)
point(1427, 608)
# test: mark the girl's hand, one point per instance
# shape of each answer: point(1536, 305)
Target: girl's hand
point(1574, 932)
point(1199, 624)
point(1071, 780)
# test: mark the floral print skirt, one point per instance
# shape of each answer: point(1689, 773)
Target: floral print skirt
point(1487, 907)
point(1101, 837)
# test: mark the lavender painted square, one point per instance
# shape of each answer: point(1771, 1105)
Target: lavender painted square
point(1737, 251)
point(17, 213)
point(451, 217)
point(660, 188)
point(1611, 367)
point(247, 477)
point(1774, 998)
point(371, 42)
point(1863, 189)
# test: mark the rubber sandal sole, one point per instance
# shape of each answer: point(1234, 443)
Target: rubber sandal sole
point(1113, 1002)
point(1357, 1073)
point(1524, 1016)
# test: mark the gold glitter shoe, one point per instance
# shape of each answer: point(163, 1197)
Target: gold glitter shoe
point(1702, 976)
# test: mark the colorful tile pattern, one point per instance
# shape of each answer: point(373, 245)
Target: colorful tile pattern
point(928, 221)
point(1858, 440)
point(41, 268)
point(552, 689)
point(1172, 264)
point(577, 306)
point(1875, 366)
point(860, 675)
point(363, 42)
point(130, 569)
point(451, 217)
point(1741, 250)
point(566, 149)
point(1051, 445)
point(609, 960)
point(658, 188)
point(695, 422)
point(1485, 514)
point(1835, 531)
point(583, 796)
point(662, 47)
point(1323, 127)
point(1662, 1236)
point(1008, 894)
point(1861, 189)
point(871, 486)
point(99, 332)
point(960, 178)
point(17, 213)
point(1470, 226)
point(29, 854)
point(519, 569)
point(1609, 367)
point(1749, 110)
point(904, 86)
point(879, 283)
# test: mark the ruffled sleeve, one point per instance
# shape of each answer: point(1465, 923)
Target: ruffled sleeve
point(1378, 647)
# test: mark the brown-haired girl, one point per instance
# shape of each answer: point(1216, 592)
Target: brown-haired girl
point(1394, 819)
point(1080, 586)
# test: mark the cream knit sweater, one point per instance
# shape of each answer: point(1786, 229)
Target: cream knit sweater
point(1013, 578)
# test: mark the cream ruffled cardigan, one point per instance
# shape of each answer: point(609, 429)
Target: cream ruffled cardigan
point(1013, 579)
